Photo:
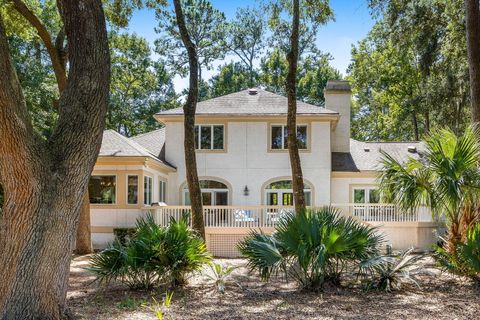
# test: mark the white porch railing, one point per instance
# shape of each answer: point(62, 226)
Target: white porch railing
point(382, 212)
point(226, 216)
point(268, 216)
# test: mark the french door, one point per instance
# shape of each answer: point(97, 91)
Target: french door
point(214, 197)
point(280, 198)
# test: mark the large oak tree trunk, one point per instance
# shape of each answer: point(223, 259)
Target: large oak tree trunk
point(58, 57)
point(84, 235)
point(291, 88)
point(189, 125)
point(472, 16)
point(45, 181)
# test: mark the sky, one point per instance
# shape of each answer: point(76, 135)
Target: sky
point(352, 23)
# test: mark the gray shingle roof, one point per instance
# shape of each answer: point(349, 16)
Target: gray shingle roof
point(366, 156)
point(116, 145)
point(244, 103)
point(153, 141)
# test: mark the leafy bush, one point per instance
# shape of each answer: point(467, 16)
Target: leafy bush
point(311, 247)
point(388, 273)
point(465, 259)
point(124, 234)
point(154, 255)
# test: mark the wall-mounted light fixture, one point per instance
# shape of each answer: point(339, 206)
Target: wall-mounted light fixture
point(246, 192)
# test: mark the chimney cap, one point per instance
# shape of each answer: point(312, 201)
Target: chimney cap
point(252, 91)
point(338, 85)
point(412, 149)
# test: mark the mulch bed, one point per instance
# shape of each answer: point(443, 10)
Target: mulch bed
point(440, 296)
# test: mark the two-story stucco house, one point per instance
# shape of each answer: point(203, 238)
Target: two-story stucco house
point(242, 159)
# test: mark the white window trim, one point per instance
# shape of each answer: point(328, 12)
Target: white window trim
point(284, 126)
point(160, 181)
point(138, 188)
point(151, 190)
point(211, 136)
point(367, 193)
point(212, 191)
point(116, 190)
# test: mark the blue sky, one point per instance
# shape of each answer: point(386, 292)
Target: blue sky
point(352, 23)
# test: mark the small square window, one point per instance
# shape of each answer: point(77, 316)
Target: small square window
point(101, 189)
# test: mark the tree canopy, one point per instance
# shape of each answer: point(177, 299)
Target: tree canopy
point(206, 27)
point(140, 87)
point(410, 73)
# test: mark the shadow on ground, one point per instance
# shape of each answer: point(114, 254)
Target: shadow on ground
point(440, 297)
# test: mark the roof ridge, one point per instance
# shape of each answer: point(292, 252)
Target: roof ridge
point(146, 133)
point(263, 96)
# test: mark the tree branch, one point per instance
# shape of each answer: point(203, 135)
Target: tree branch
point(57, 61)
point(15, 125)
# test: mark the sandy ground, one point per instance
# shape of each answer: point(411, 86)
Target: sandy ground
point(441, 296)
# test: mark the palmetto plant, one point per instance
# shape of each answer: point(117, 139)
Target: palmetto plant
point(446, 179)
point(220, 275)
point(466, 260)
point(154, 255)
point(311, 247)
point(388, 273)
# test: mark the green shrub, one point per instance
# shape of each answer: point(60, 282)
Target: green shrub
point(387, 273)
point(220, 275)
point(311, 247)
point(124, 234)
point(465, 260)
point(154, 255)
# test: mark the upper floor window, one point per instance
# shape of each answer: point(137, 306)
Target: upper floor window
point(209, 137)
point(279, 137)
point(101, 189)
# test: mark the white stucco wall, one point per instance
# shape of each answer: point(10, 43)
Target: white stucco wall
point(341, 187)
point(247, 161)
point(118, 218)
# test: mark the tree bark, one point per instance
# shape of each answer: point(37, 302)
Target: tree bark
point(83, 242)
point(45, 180)
point(189, 125)
point(291, 88)
point(472, 17)
point(58, 56)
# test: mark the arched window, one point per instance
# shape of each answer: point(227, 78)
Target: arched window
point(213, 193)
point(280, 193)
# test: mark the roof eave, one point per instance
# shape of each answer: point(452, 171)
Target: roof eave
point(145, 159)
point(163, 118)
